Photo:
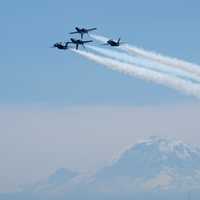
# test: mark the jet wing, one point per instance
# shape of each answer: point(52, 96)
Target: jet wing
point(73, 32)
point(88, 41)
point(91, 29)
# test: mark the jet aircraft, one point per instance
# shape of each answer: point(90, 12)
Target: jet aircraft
point(61, 45)
point(83, 31)
point(114, 43)
point(79, 42)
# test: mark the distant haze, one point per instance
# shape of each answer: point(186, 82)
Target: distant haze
point(35, 142)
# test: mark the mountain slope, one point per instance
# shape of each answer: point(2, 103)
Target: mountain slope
point(156, 168)
point(155, 163)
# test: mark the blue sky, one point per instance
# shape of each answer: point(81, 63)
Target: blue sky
point(33, 73)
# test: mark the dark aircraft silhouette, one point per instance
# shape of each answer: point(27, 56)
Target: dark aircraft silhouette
point(83, 31)
point(114, 43)
point(80, 42)
point(61, 46)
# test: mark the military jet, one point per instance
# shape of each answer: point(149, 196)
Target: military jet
point(61, 45)
point(83, 31)
point(114, 43)
point(79, 42)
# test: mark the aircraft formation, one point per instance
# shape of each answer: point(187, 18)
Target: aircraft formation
point(77, 42)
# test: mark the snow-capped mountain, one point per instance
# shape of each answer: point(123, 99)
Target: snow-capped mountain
point(155, 166)
point(155, 163)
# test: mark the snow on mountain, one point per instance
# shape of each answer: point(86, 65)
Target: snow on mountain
point(156, 163)
point(152, 165)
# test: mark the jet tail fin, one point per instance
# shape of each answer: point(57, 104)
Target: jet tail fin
point(118, 41)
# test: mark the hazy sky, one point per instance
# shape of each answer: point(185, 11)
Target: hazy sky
point(34, 142)
point(58, 110)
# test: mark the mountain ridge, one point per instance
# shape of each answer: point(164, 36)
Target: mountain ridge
point(155, 166)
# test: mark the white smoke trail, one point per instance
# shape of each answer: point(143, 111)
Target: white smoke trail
point(148, 75)
point(173, 62)
point(144, 63)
